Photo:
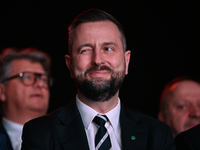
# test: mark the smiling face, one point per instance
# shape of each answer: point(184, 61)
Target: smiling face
point(183, 107)
point(23, 99)
point(97, 62)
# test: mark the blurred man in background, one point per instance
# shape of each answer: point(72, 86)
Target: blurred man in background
point(24, 90)
point(180, 104)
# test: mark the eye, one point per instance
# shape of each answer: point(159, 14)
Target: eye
point(26, 77)
point(44, 78)
point(181, 107)
point(85, 50)
point(108, 48)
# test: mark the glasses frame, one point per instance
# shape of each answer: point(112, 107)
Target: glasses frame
point(36, 75)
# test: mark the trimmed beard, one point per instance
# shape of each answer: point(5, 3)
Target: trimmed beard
point(100, 89)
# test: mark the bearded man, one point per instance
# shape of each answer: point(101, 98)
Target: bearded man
point(96, 120)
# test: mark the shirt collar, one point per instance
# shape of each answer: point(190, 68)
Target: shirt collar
point(88, 114)
point(11, 126)
point(113, 115)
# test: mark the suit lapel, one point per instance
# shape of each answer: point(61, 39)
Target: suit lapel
point(134, 135)
point(72, 134)
point(71, 131)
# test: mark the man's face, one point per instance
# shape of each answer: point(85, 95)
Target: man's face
point(183, 110)
point(98, 63)
point(21, 98)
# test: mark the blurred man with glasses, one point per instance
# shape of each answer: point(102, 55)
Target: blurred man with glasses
point(24, 90)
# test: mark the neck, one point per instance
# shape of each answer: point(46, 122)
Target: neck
point(22, 117)
point(100, 106)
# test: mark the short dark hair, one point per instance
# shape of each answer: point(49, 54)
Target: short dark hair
point(94, 15)
point(8, 55)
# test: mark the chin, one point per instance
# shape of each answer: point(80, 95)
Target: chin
point(39, 108)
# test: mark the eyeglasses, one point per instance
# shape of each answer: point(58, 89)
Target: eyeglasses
point(30, 78)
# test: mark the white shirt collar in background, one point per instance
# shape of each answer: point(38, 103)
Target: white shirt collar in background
point(14, 131)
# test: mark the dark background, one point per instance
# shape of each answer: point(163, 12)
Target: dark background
point(162, 35)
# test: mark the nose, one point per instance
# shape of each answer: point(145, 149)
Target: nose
point(98, 58)
point(195, 111)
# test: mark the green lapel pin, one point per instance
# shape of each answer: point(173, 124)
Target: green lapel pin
point(133, 137)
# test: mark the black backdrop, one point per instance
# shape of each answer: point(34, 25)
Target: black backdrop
point(162, 35)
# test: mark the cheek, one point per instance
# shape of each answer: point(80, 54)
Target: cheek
point(23, 93)
point(80, 65)
point(178, 117)
point(179, 123)
point(117, 63)
point(46, 95)
point(16, 92)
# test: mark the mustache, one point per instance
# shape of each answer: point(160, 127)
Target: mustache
point(192, 121)
point(99, 68)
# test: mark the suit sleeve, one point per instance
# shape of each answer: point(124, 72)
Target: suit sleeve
point(30, 138)
point(183, 143)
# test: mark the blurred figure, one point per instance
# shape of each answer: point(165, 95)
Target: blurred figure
point(3, 142)
point(24, 90)
point(180, 104)
point(188, 140)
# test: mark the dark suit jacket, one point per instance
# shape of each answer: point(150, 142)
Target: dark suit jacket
point(189, 140)
point(64, 130)
point(3, 131)
point(3, 142)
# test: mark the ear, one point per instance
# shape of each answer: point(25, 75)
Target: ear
point(69, 64)
point(2, 93)
point(161, 116)
point(127, 59)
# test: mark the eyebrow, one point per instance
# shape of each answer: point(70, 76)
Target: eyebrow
point(103, 44)
point(110, 43)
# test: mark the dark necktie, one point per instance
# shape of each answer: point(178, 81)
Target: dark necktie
point(102, 139)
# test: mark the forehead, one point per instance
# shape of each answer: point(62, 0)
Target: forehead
point(21, 65)
point(186, 90)
point(187, 87)
point(106, 30)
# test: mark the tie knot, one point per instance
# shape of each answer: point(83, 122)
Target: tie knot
point(100, 120)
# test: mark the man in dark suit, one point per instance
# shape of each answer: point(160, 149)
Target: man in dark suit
point(98, 62)
point(189, 140)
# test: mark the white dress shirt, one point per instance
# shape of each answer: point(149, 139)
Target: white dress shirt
point(14, 131)
point(113, 126)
